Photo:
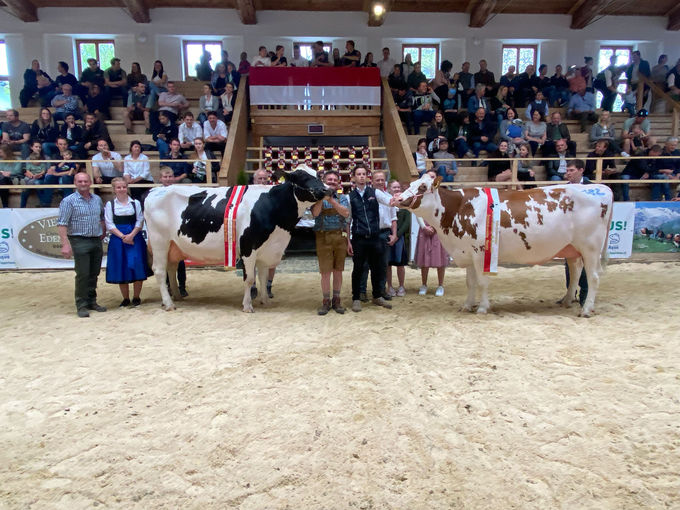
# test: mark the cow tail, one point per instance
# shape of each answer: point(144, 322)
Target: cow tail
point(604, 255)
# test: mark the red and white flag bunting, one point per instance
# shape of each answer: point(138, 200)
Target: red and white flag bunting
point(314, 86)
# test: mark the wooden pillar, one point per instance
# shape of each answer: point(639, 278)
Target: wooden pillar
point(598, 170)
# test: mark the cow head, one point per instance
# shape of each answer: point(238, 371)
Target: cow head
point(413, 196)
point(306, 185)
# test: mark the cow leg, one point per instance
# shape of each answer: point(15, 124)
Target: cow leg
point(575, 266)
point(591, 263)
point(483, 282)
point(263, 273)
point(248, 280)
point(160, 269)
point(471, 280)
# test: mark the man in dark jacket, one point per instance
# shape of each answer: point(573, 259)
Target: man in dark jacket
point(482, 133)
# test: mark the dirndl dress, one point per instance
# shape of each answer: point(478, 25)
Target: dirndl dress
point(126, 263)
point(429, 251)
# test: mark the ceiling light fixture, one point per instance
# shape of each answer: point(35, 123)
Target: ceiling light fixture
point(378, 9)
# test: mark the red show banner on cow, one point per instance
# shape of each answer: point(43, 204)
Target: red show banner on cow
point(314, 86)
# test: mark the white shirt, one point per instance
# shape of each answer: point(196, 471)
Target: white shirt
point(123, 210)
point(136, 168)
point(299, 62)
point(220, 129)
point(386, 67)
point(387, 215)
point(187, 134)
point(264, 61)
point(105, 166)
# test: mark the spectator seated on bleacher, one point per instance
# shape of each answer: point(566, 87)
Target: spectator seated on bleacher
point(72, 133)
point(94, 130)
point(510, 80)
point(643, 169)
point(500, 103)
point(115, 81)
point(556, 169)
point(511, 130)
point(136, 107)
point(135, 76)
point(106, 164)
point(525, 171)
point(61, 172)
point(477, 101)
point(604, 129)
point(180, 168)
point(219, 79)
point(582, 108)
point(228, 100)
point(64, 77)
point(164, 131)
point(449, 106)
point(558, 90)
point(459, 133)
point(425, 103)
point(16, 134)
point(557, 130)
point(96, 102)
point(416, 78)
point(535, 132)
point(404, 102)
point(188, 131)
point(201, 165)
point(437, 128)
point(500, 171)
point(538, 104)
point(442, 81)
point(446, 169)
point(207, 103)
point(45, 131)
point(421, 155)
point(36, 82)
point(482, 134)
point(636, 135)
point(170, 102)
point(262, 60)
point(91, 74)
point(136, 170)
point(215, 133)
point(670, 148)
point(527, 86)
point(35, 174)
point(158, 83)
point(67, 103)
point(609, 170)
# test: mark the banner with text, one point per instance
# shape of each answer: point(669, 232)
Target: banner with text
point(621, 230)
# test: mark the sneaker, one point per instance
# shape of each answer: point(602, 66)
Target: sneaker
point(423, 290)
point(387, 297)
point(97, 308)
point(363, 297)
point(356, 305)
point(82, 312)
point(381, 302)
point(439, 292)
point(337, 305)
point(625, 154)
point(136, 301)
point(401, 292)
point(391, 292)
point(253, 292)
point(325, 307)
point(183, 292)
point(470, 154)
point(124, 302)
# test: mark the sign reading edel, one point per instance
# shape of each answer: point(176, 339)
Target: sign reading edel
point(306, 86)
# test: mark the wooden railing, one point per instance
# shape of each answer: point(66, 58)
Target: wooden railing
point(234, 158)
point(399, 156)
point(672, 103)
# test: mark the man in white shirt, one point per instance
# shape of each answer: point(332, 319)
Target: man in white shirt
point(297, 60)
point(386, 64)
point(262, 59)
point(214, 133)
point(106, 164)
point(188, 132)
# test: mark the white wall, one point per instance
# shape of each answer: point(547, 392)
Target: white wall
point(49, 42)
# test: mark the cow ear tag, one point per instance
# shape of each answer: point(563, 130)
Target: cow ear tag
point(281, 180)
point(437, 181)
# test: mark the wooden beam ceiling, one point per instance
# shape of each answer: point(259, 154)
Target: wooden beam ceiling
point(22, 9)
point(480, 13)
point(246, 11)
point(138, 10)
point(674, 18)
point(586, 13)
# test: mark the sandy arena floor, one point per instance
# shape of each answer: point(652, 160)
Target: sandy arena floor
point(421, 407)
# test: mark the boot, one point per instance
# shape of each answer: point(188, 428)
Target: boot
point(325, 307)
point(337, 305)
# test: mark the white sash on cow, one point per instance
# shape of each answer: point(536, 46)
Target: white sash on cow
point(492, 218)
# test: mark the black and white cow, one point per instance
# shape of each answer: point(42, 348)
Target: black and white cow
point(187, 222)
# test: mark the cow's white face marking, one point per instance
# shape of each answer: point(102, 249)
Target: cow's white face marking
point(305, 168)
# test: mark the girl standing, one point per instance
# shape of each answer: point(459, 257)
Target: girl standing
point(400, 249)
point(127, 256)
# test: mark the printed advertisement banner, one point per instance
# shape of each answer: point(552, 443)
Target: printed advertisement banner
point(6, 240)
point(657, 227)
point(621, 230)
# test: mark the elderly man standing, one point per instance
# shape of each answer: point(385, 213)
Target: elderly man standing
point(331, 243)
point(81, 230)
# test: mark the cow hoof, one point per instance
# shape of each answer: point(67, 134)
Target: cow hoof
point(169, 308)
point(481, 310)
point(248, 309)
point(586, 313)
point(467, 308)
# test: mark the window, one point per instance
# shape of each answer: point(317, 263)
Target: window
point(5, 101)
point(307, 52)
point(428, 56)
point(193, 50)
point(101, 51)
point(623, 54)
point(519, 56)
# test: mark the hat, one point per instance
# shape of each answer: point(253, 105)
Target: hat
point(642, 113)
point(91, 60)
point(114, 59)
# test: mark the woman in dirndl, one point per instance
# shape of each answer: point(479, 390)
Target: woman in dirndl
point(126, 257)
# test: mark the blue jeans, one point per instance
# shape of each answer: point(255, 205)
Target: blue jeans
point(658, 190)
point(57, 179)
point(441, 170)
point(556, 178)
point(154, 92)
point(163, 149)
point(44, 195)
point(50, 149)
point(419, 117)
point(487, 146)
point(461, 146)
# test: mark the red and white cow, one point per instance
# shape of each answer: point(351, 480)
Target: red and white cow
point(564, 221)
point(187, 222)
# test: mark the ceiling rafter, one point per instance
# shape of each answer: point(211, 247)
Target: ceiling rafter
point(22, 9)
point(586, 13)
point(480, 13)
point(138, 10)
point(246, 11)
point(674, 18)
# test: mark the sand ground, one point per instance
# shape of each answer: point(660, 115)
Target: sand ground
point(421, 407)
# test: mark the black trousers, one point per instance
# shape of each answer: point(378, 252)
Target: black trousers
point(384, 237)
point(582, 283)
point(371, 250)
point(87, 256)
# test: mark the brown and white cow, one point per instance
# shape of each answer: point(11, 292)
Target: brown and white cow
point(565, 221)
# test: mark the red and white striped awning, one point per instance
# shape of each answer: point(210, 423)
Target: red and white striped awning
point(314, 86)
